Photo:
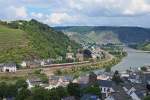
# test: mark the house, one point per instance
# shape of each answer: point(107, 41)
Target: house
point(69, 98)
point(131, 93)
point(135, 78)
point(80, 57)
point(106, 87)
point(34, 81)
point(33, 64)
point(55, 81)
point(110, 97)
point(103, 77)
point(145, 77)
point(70, 56)
point(90, 97)
point(148, 87)
point(83, 80)
point(59, 58)
point(92, 78)
point(46, 62)
point(135, 91)
point(145, 68)
point(97, 55)
point(1, 67)
point(8, 67)
point(24, 64)
point(119, 93)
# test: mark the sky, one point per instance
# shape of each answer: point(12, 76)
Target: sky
point(79, 12)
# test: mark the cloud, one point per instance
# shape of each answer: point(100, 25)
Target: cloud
point(58, 18)
point(19, 12)
point(78, 12)
point(37, 15)
point(13, 12)
point(137, 7)
point(109, 8)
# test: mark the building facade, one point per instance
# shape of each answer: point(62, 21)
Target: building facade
point(9, 67)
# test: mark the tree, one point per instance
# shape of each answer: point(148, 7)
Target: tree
point(116, 77)
point(7, 90)
point(108, 69)
point(74, 89)
point(62, 92)
point(93, 89)
point(21, 84)
point(11, 90)
point(23, 94)
point(3, 89)
point(54, 95)
point(39, 93)
point(92, 78)
point(147, 98)
point(143, 68)
point(87, 53)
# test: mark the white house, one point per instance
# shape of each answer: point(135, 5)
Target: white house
point(55, 81)
point(69, 55)
point(109, 98)
point(133, 93)
point(24, 64)
point(9, 67)
point(106, 87)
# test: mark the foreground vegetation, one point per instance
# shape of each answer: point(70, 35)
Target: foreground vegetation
point(19, 91)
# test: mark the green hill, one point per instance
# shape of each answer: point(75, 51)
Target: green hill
point(108, 34)
point(24, 40)
point(141, 46)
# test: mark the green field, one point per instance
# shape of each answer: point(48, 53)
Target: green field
point(13, 44)
point(10, 38)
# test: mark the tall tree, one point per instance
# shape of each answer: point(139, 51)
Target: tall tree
point(23, 94)
point(116, 77)
point(74, 89)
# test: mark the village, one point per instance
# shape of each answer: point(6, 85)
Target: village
point(129, 85)
point(80, 57)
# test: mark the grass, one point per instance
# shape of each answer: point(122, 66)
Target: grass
point(10, 38)
point(31, 40)
point(11, 79)
point(147, 47)
point(13, 44)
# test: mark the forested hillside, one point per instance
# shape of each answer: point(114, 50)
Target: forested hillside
point(25, 40)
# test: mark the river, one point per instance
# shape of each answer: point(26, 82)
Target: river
point(135, 59)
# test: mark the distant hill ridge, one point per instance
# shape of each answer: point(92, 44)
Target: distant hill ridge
point(108, 34)
point(25, 40)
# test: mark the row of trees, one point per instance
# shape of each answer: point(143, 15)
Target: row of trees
point(19, 91)
point(12, 90)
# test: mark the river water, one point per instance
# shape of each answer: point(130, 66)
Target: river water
point(134, 60)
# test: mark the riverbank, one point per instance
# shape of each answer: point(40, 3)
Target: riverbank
point(75, 69)
point(141, 46)
point(134, 60)
point(78, 70)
